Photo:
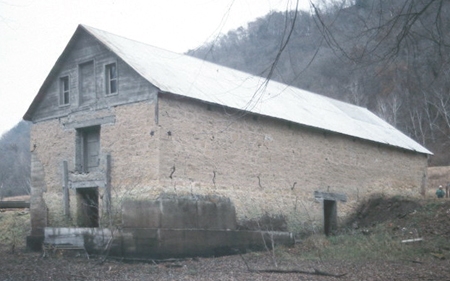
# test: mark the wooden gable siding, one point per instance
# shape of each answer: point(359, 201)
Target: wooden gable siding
point(84, 63)
point(86, 83)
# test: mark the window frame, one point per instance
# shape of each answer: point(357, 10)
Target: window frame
point(64, 92)
point(109, 80)
point(82, 156)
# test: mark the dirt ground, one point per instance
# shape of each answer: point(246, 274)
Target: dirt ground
point(402, 218)
point(31, 266)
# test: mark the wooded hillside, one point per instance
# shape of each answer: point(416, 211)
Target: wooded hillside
point(15, 161)
point(389, 56)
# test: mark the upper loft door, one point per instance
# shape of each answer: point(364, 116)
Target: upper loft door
point(92, 148)
point(88, 149)
point(86, 77)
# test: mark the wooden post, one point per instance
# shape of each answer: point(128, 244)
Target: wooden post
point(65, 180)
point(108, 185)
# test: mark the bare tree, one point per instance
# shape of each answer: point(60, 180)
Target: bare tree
point(386, 30)
point(389, 56)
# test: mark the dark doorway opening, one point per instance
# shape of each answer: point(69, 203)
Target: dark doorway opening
point(87, 203)
point(330, 216)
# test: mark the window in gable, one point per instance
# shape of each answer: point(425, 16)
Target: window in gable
point(64, 90)
point(111, 79)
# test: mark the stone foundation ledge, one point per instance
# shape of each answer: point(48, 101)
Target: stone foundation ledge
point(158, 243)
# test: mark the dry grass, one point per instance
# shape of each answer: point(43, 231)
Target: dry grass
point(14, 227)
point(437, 176)
point(375, 254)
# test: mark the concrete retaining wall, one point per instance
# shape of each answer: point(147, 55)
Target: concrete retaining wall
point(195, 212)
point(164, 243)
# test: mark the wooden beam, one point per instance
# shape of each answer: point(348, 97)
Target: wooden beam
point(66, 199)
point(108, 185)
point(330, 196)
point(14, 204)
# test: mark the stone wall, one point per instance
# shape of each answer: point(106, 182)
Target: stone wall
point(264, 166)
point(271, 166)
point(128, 139)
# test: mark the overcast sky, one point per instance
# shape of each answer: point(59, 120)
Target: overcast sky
point(33, 33)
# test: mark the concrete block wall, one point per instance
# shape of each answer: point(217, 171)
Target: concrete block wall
point(163, 243)
point(180, 212)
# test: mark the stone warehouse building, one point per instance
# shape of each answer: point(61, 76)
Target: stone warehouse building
point(118, 123)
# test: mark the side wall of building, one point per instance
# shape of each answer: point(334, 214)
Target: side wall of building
point(272, 166)
point(263, 165)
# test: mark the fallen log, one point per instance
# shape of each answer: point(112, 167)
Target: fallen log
point(279, 270)
point(297, 271)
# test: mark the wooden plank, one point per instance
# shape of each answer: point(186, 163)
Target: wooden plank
point(108, 185)
point(330, 196)
point(85, 184)
point(66, 202)
point(14, 204)
point(90, 122)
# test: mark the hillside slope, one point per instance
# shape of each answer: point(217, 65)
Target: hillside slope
point(405, 218)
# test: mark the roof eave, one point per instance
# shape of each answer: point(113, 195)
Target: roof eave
point(28, 116)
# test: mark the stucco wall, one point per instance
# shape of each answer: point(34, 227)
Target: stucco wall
point(262, 165)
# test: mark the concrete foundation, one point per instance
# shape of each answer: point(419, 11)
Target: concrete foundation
point(170, 227)
point(157, 243)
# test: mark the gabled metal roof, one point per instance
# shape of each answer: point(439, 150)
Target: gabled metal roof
point(194, 78)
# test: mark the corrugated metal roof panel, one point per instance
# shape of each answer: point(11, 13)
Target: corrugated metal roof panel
point(198, 79)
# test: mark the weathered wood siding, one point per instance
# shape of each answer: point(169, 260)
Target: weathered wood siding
point(87, 56)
